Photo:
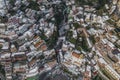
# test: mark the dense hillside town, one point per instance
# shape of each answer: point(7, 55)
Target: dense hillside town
point(59, 39)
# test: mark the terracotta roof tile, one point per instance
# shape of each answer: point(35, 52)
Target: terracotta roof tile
point(75, 55)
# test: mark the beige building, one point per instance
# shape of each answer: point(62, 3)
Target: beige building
point(2, 28)
point(108, 70)
point(74, 58)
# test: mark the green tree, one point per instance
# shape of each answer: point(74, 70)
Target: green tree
point(1, 46)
